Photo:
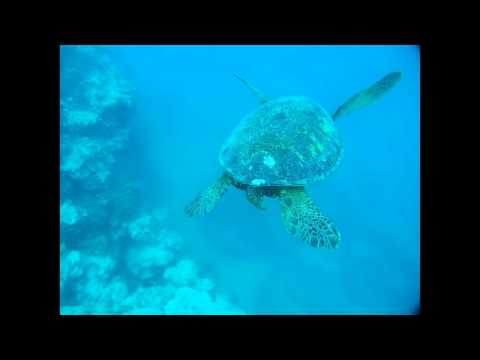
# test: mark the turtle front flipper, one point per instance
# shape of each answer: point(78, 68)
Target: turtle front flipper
point(261, 97)
point(368, 96)
point(208, 199)
point(304, 221)
point(255, 197)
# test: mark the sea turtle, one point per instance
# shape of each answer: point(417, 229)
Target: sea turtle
point(278, 149)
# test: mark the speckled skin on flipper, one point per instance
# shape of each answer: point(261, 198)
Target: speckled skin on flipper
point(255, 196)
point(304, 221)
point(208, 199)
point(368, 96)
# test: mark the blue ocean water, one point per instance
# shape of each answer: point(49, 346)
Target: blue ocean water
point(141, 128)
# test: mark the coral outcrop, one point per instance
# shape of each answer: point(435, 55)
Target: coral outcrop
point(116, 255)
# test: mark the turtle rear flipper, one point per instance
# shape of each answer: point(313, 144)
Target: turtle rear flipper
point(304, 221)
point(368, 96)
point(255, 197)
point(209, 198)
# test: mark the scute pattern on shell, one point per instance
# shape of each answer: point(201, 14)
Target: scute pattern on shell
point(286, 142)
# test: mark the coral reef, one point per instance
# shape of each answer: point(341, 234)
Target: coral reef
point(145, 262)
point(87, 158)
point(188, 301)
point(184, 273)
point(116, 256)
point(149, 287)
point(69, 214)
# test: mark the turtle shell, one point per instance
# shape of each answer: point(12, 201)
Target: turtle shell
point(290, 141)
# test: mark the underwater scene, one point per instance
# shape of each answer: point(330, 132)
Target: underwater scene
point(239, 180)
